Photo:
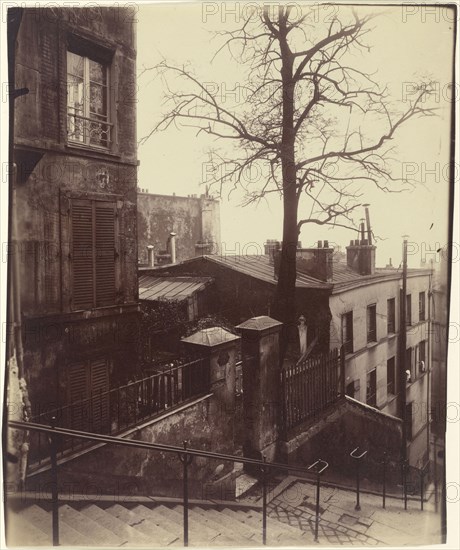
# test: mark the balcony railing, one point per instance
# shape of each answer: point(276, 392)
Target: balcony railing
point(121, 408)
point(93, 132)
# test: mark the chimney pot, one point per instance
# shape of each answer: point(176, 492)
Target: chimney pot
point(320, 244)
point(326, 244)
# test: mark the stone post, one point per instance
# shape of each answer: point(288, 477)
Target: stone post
point(261, 386)
point(219, 347)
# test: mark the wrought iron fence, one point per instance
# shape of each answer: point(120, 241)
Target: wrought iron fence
point(309, 387)
point(123, 407)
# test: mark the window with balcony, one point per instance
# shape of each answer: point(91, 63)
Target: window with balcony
point(372, 323)
point(391, 316)
point(422, 366)
point(409, 369)
point(88, 121)
point(391, 376)
point(421, 306)
point(93, 253)
point(347, 332)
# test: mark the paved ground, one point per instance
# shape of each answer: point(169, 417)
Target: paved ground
point(340, 524)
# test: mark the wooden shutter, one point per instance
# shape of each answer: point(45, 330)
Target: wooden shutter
point(82, 255)
point(78, 396)
point(105, 253)
point(99, 381)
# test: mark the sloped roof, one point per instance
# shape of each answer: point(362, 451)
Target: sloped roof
point(170, 288)
point(210, 337)
point(259, 267)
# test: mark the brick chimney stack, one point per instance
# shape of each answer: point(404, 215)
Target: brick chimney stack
point(361, 253)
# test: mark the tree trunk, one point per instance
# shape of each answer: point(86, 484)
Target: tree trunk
point(284, 307)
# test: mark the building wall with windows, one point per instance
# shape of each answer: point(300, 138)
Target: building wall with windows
point(75, 199)
point(368, 325)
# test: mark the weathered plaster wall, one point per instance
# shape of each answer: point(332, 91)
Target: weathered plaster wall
point(142, 472)
point(193, 219)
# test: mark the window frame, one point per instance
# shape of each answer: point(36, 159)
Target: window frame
point(347, 327)
point(86, 116)
point(391, 319)
point(371, 320)
point(391, 368)
point(408, 310)
point(371, 398)
point(422, 306)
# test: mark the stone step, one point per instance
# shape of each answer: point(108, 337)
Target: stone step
point(248, 531)
point(232, 535)
point(127, 534)
point(198, 532)
point(151, 515)
point(158, 535)
point(228, 526)
point(21, 533)
point(88, 527)
point(68, 536)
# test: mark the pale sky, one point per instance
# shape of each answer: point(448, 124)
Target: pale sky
point(405, 47)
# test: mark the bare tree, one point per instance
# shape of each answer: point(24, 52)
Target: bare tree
point(321, 127)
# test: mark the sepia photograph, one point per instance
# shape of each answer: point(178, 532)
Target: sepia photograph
point(230, 274)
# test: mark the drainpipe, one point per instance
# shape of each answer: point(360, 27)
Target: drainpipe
point(150, 255)
point(172, 246)
point(402, 354)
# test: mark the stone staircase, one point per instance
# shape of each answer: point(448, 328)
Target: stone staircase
point(143, 525)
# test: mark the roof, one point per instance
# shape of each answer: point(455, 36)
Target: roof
point(210, 337)
point(170, 288)
point(259, 323)
point(259, 267)
point(345, 278)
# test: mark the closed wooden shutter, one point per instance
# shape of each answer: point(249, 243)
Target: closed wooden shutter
point(88, 387)
point(93, 253)
point(82, 255)
point(99, 380)
point(105, 253)
point(78, 396)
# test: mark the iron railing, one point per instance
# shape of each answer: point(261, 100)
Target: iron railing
point(124, 407)
point(89, 131)
point(186, 456)
point(309, 387)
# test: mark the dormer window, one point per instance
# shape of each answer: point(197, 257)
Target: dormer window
point(87, 102)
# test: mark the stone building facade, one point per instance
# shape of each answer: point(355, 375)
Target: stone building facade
point(75, 194)
point(194, 220)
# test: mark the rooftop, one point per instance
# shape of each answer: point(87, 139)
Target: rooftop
point(170, 288)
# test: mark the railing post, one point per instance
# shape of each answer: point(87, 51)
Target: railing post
point(405, 483)
point(54, 484)
point(422, 482)
point(186, 461)
point(342, 370)
point(264, 501)
point(384, 480)
point(354, 454)
point(318, 467)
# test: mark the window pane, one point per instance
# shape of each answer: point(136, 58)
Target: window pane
point(97, 72)
point(97, 99)
point(75, 64)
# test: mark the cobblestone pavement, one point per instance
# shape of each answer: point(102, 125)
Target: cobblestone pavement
point(341, 524)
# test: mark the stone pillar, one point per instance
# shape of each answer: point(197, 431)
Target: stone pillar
point(220, 347)
point(261, 386)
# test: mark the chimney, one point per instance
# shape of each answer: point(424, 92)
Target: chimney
point(271, 248)
point(316, 262)
point(361, 253)
point(150, 255)
point(172, 246)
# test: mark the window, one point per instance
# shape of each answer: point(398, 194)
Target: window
point(347, 332)
point(352, 389)
point(371, 323)
point(391, 376)
point(408, 309)
point(371, 388)
point(422, 366)
point(409, 371)
point(87, 102)
point(93, 253)
point(88, 387)
point(421, 306)
point(391, 316)
point(408, 421)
